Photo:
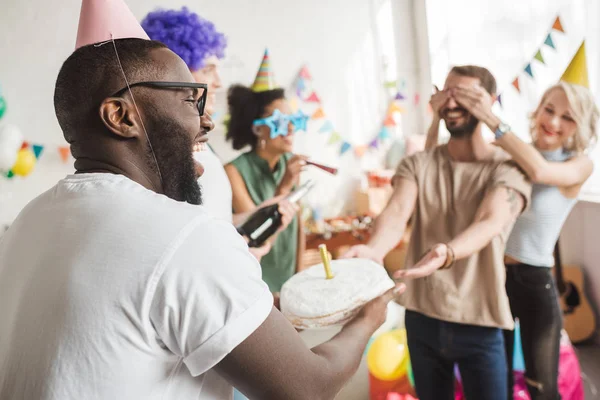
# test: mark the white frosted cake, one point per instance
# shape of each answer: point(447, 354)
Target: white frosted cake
point(308, 300)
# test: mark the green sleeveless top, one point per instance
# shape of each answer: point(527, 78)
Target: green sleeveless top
point(280, 263)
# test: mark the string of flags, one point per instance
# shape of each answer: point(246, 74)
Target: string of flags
point(538, 58)
point(306, 97)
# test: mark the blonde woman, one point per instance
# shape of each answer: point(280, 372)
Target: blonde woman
point(563, 128)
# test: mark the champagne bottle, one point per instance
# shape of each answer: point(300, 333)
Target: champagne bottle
point(264, 222)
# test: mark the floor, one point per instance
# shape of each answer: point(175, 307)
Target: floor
point(589, 358)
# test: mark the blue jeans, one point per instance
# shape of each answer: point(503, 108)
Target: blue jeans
point(435, 346)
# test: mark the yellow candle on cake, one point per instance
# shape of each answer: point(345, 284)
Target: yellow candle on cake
point(325, 259)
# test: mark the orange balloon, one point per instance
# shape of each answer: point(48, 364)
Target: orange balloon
point(25, 162)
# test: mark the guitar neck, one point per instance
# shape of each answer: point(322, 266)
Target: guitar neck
point(560, 280)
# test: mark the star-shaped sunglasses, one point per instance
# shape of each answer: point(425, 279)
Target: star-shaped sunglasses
point(278, 122)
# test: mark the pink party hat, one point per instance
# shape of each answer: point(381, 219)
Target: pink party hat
point(101, 20)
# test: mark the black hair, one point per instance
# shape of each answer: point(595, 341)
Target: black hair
point(88, 73)
point(244, 107)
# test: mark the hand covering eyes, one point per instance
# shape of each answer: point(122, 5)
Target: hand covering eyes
point(278, 122)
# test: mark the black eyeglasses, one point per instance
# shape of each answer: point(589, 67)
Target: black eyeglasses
point(172, 85)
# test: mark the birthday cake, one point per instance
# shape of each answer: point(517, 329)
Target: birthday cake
point(309, 300)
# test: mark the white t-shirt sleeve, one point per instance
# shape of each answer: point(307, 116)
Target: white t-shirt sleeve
point(210, 296)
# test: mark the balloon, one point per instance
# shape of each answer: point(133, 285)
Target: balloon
point(8, 158)
point(2, 106)
point(10, 136)
point(25, 162)
point(387, 358)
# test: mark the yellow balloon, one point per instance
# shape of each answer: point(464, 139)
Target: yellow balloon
point(25, 162)
point(387, 358)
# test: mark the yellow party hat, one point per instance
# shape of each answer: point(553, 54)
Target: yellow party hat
point(576, 72)
point(265, 80)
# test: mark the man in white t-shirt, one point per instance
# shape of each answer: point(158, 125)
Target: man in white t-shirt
point(113, 284)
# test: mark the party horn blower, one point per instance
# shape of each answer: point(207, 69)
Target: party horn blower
point(325, 259)
point(331, 170)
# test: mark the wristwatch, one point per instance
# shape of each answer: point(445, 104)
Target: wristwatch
point(501, 130)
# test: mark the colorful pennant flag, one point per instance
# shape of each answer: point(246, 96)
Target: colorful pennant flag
point(515, 83)
point(528, 70)
point(500, 99)
point(37, 150)
point(549, 42)
point(399, 96)
point(313, 98)
point(384, 133)
point(294, 103)
point(318, 114)
point(10, 174)
point(334, 138)
point(557, 26)
point(24, 145)
point(389, 121)
point(374, 144)
point(417, 98)
point(395, 107)
point(360, 150)
point(345, 147)
point(64, 152)
point(538, 56)
point(326, 127)
point(304, 73)
point(390, 84)
point(300, 85)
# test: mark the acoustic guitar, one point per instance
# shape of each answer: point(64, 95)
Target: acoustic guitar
point(578, 317)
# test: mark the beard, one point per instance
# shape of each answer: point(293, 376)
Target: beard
point(173, 151)
point(463, 130)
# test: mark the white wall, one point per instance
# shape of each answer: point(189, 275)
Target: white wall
point(335, 38)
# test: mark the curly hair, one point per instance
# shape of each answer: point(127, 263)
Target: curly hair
point(190, 36)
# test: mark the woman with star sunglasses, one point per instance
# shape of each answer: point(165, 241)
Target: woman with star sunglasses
point(264, 123)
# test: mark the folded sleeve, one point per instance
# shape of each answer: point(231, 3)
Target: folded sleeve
point(407, 169)
point(210, 297)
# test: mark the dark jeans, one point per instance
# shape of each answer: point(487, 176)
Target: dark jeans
point(435, 346)
point(534, 301)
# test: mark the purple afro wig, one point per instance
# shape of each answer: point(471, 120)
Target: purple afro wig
point(191, 37)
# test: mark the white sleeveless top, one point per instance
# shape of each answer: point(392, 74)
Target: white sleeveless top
point(535, 232)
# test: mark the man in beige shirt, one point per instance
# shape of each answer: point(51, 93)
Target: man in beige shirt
point(463, 198)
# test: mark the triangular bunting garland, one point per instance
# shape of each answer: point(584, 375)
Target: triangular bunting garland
point(64, 152)
point(390, 84)
point(389, 121)
point(300, 85)
point(326, 127)
point(515, 83)
point(318, 114)
point(549, 42)
point(528, 70)
point(558, 26)
point(538, 56)
point(24, 145)
point(334, 138)
point(10, 174)
point(345, 147)
point(313, 98)
point(417, 98)
point(305, 74)
point(384, 133)
point(399, 96)
point(374, 144)
point(500, 99)
point(37, 150)
point(360, 151)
